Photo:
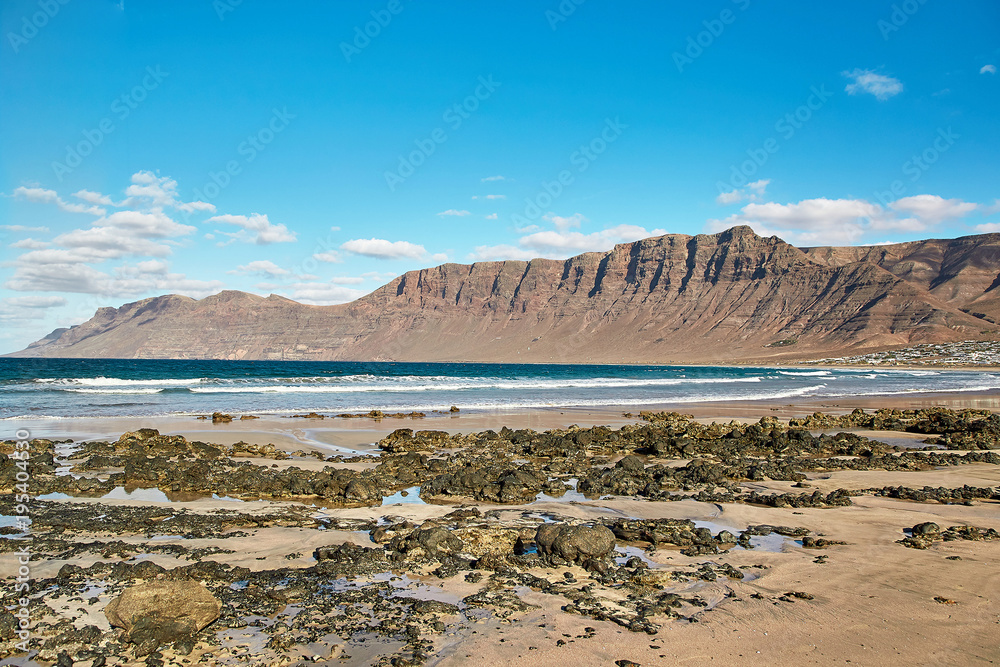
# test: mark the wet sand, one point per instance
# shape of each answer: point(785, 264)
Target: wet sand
point(873, 600)
point(338, 435)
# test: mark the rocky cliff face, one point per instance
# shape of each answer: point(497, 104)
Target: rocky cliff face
point(726, 297)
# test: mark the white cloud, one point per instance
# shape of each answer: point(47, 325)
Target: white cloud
point(454, 212)
point(17, 312)
point(490, 197)
point(988, 227)
point(753, 192)
point(120, 234)
point(844, 221)
point(868, 81)
point(35, 301)
point(812, 221)
point(22, 228)
point(380, 276)
point(146, 225)
point(606, 239)
point(142, 228)
point(988, 69)
point(485, 253)
point(100, 243)
point(43, 196)
point(160, 192)
point(726, 198)
point(492, 216)
point(383, 249)
point(94, 197)
point(36, 195)
point(562, 244)
point(439, 257)
point(63, 256)
point(563, 223)
point(322, 294)
point(256, 229)
point(261, 267)
point(73, 277)
point(493, 178)
point(126, 281)
point(933, 209)
point(154, 276)
point(123, 233)
point(330, 256)
point(29, 244)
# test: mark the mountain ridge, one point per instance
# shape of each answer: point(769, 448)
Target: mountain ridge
point(710, 298)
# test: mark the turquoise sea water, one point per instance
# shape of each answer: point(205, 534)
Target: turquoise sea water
point(35, 388)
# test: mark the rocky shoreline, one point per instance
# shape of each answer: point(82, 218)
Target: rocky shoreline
point(507, 528)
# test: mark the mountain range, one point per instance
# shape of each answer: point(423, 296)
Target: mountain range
point(730, 297)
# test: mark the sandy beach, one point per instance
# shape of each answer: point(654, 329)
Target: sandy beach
point(864, 598)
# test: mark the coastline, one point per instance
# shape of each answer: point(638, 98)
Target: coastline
point(363, 430)
point(868, 600)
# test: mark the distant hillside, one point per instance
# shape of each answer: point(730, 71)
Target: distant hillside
point(728, 297)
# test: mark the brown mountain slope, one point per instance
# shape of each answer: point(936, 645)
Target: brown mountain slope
point(725, 297)
point(963, 272)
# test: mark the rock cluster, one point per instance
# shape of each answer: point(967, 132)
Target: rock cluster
point(923, 535)
point(612, 569)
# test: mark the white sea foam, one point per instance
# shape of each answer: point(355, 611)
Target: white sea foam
point(133, 390)
point(806, 373)
point(102, 381)
point(485, 383)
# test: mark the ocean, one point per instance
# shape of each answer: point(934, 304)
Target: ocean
point(70, 388)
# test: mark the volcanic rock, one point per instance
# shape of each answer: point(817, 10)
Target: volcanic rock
point(160, 612)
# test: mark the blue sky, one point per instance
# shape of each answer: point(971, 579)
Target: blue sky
point(317, 150)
